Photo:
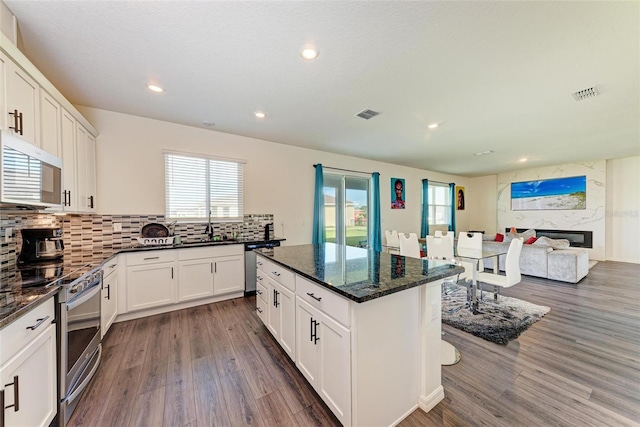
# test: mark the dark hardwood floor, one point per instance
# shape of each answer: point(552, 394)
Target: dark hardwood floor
point(216, 365)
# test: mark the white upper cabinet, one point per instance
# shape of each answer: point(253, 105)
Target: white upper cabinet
point(85, 169)
point(50, 124)
point(69, 169)
point(31, 107)
point(22, 101)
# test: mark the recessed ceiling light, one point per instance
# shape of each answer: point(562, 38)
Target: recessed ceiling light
point(155, 88)
point(309, 52)
point(260, 114)
point(208, 123)
point(433, 125)
point(522, 160)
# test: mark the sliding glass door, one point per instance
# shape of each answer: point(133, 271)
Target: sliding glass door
point(346, 207)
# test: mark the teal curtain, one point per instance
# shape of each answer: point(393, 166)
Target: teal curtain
point(424, 230)
point(374, 228)
point(452, 197)
point(319, 235)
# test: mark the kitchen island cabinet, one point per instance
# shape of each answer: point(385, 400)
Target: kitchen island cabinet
point(367, 330)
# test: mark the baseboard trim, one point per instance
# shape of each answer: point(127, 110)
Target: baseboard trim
point(405, 415)
point(427, 403)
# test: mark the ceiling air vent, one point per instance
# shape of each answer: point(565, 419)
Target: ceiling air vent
point(367, 114)
point(586, 93)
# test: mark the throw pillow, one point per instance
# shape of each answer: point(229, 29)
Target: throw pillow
point(509, 237)
point(526, 235)
point(552, 243)
point(499, 237)
point(530, 240)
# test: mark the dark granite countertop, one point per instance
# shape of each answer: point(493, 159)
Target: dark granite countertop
point(359, 274)
point(16, 300)
point(14, 304)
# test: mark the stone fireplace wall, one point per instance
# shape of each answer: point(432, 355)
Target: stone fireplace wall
point(590, 219)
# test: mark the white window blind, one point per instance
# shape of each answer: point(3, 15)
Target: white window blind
point(198, 186)
point(439, 204)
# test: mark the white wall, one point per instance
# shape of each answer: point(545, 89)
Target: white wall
point(482, 199)
point(623, 210)
point(279, 179)
point(591, 219)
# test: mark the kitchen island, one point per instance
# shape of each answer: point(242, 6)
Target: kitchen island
point(363, 327)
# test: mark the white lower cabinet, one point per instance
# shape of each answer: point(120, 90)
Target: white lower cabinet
point(109, 305)
point(228, 274)
point(195, 279)
point(281, 316)
point(28, 377)
point(161, 280)
point(324, 358)
point(209, 271)
point(151, 285)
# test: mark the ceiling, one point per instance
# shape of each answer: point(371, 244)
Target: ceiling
point(495, 76)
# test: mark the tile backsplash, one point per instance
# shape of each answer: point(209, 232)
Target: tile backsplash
point(86, 235)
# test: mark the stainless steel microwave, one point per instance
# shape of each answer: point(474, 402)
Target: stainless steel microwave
point(29, 176)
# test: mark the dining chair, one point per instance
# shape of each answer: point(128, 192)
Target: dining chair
point(440, 233)
point(409, 246)
point(392, 240)
point(471, 241)
point(512, 270)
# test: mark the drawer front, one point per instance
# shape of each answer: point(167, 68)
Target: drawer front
point(281, 275)
point(261, 291)
point(262, 265)
point(110, 266)
point(151, 257)
point(15, 335)
point(261, 310)
point(324, 300)
point(210, 251)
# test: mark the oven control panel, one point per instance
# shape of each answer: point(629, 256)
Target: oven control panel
point(91, 278)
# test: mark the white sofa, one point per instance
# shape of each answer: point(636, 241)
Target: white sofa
point(566, 265)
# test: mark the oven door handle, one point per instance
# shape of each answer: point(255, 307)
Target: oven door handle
point(83, 297)
point(84, 383)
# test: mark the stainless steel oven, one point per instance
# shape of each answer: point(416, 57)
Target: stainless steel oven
point(80, 349)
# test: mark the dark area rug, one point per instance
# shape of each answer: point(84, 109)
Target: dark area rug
point(503, 320)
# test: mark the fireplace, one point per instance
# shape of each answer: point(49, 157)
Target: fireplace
point(577, 239)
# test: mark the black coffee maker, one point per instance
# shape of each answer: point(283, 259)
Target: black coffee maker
point(41, 244)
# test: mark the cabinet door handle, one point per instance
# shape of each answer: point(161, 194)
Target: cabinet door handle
point(315, 332)
point(211, 268)
point(312, 295)
point(259, 292)
point(91, 202)
point(311, 335)
point(1, 408)
point(20, 120)
point(275, 298)
point(215, 267)
point(259, 278)
point(16, 122)
point(258, 262)
point(39, 322)
point(16, 396)
point(109, 291)
point(259, 309)
point(113, 265)
point(275, 273)
point(151, 257)
point(172, 272)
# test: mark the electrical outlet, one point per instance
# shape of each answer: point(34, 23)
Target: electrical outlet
point(8, 234)
point(117, 227)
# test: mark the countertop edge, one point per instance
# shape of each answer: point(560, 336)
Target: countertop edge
point(40, 299)
point(359, 300)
